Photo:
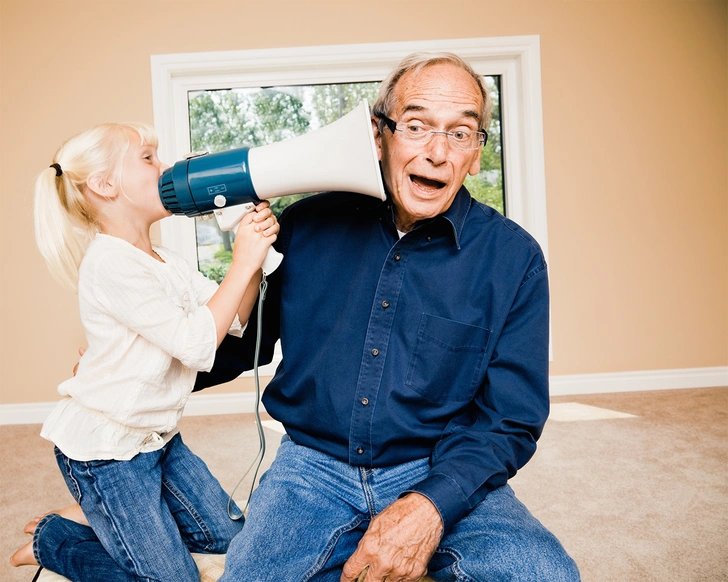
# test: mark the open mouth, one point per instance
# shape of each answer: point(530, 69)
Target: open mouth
point(426, 184)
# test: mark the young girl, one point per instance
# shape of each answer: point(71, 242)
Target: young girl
point(151, 323)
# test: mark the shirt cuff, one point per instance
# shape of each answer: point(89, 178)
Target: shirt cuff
point(236, 328)
point(446, 495)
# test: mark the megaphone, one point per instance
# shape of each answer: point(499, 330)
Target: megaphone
point(339, 156)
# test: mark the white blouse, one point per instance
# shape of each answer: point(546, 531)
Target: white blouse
point(148, 333)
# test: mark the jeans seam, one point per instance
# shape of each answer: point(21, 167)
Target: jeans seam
point(69, 471)
point(192, 511)
point(328, 549)
point(111, 518)
point(368, 494)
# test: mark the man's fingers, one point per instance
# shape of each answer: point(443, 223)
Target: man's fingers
point(355, 569)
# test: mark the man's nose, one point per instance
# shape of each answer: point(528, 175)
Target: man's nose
point(437, 148)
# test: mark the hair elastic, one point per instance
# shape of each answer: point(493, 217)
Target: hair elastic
point(59, 172)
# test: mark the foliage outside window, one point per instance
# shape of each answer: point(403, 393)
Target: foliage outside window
point(232, 118)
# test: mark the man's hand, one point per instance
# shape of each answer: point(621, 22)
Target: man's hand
point(398, 544)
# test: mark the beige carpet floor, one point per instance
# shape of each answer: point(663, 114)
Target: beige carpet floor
point(634, 484)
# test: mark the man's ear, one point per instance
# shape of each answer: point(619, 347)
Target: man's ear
point(100, 186)
point(377, 137)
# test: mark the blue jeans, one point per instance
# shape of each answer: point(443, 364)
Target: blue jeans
point(146, 515)
point(309, 512)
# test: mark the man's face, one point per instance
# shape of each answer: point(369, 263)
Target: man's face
point(423, 179)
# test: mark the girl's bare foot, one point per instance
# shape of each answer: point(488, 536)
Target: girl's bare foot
point(72, 512)
point(31, 525)
point(24, 556)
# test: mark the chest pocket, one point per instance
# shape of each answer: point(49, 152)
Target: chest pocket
point(448, 358)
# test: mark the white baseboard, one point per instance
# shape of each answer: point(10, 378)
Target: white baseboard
point(244, 402)
point(639, 381)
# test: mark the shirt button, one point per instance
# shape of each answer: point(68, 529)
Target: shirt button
point(365, 401)
point(375, 352)
point(429, 238)
point(360, 451)
point(385, 304)
point(397, 257)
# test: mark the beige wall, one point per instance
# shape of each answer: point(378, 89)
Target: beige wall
point(635, 103)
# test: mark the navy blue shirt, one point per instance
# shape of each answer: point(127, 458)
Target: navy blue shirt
point(430, 345)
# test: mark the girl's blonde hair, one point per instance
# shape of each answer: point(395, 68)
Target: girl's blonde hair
point(65, 219)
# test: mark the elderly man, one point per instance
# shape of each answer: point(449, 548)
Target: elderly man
point(414, 380)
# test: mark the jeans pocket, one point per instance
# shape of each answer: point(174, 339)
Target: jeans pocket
point(447, 363)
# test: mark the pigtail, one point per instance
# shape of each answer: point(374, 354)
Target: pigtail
point(64, 225)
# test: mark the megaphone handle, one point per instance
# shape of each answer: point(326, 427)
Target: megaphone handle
point(272, 261)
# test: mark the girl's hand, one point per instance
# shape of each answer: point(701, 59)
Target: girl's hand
point(256, 232)
point(261, 216)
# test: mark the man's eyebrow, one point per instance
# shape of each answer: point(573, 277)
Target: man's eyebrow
point(467, 113)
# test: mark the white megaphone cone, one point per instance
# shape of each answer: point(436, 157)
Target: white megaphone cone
point(341, 156)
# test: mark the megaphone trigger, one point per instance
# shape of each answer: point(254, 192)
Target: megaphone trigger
point(229, 217)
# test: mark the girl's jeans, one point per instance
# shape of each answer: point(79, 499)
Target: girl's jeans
point(146, 514)
point(309, 512)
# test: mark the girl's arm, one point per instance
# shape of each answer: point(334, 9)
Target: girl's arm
point(237, 292)
point(250, 299)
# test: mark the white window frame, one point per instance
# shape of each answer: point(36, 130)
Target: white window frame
point(515, 59)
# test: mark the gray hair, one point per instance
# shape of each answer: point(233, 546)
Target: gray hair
point(416, 62)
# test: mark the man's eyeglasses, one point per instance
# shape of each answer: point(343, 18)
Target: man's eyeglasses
point(461, 139)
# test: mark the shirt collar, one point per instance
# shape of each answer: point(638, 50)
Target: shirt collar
point(455, 215)
point(458, 212)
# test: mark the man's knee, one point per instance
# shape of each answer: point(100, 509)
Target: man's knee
point(533, 561)
point(501, 540)
point(546, 559)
